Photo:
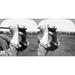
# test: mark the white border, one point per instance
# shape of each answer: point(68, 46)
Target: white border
point(37, 65)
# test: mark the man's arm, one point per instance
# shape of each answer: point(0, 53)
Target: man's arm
point(14, 44)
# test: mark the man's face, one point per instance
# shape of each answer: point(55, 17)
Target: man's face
point(20, 36)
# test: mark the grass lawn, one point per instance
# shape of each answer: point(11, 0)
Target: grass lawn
point(66, 48)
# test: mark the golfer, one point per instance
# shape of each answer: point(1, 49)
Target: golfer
point(45, 44)
point(16, 44)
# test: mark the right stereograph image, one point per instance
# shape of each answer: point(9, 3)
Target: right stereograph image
point(37, 37)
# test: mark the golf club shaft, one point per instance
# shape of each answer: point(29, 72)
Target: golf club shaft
point(4, 28)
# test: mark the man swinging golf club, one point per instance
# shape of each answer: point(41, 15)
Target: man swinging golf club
point(45, 44)
point(17, 43)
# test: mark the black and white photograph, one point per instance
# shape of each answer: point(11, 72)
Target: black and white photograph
point(37, 37)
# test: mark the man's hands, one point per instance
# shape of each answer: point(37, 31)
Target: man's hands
point(14, 29)
point(43, 28)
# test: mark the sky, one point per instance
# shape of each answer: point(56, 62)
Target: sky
point(31, 25)
point(61, 24)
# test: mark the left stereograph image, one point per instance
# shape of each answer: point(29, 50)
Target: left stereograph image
point(37, 37)
point(18, 37)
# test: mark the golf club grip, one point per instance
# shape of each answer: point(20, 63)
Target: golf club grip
point(20, 29)
point(4, 28)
